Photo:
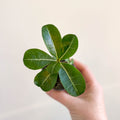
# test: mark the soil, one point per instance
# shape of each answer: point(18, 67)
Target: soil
point(58, 85)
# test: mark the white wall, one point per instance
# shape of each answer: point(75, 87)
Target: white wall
point(97, 25)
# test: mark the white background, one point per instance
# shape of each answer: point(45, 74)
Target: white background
point(97, 25)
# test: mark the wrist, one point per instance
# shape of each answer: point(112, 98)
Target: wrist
point(75, 117)
point(88, 116)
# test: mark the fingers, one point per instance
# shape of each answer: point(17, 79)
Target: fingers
point(67, 99)
point(89, 78)
point(62, 97)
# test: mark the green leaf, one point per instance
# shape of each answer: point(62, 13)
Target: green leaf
point(52, 39)
point(46, 79)
point(72, 79)
point(36, 59)
point(53, 67)
point(70, 45)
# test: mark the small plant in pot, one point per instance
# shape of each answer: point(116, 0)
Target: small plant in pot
point(58, 70)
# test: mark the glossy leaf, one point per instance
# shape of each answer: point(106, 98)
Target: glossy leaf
point(36, 59)
point(71, 79)
point(52, 39)
point(70, 45)
point(53, 67)
point(47, 78)
point(62, 50)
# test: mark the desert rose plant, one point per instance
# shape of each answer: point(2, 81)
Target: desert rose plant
point(58, 66)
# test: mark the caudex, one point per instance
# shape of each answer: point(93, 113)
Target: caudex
point(58, 71)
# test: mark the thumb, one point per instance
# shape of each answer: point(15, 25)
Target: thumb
point(62, 97)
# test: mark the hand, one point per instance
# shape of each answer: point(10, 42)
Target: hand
point(89, 105)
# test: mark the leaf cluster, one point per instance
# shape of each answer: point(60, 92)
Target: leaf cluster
point(61, 50)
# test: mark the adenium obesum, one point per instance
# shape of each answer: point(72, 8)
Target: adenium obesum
point(57, 70)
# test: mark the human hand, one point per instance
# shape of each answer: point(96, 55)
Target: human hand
point(89, 105)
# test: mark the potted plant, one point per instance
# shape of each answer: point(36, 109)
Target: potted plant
point(58, 71)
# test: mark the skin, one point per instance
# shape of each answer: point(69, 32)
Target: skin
point(89, 105)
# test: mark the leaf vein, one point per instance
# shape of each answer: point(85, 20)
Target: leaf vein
point(67, 49)
point(69, 78)
point(45, 79)
point(53, 43)
point(40, 59)
point(53, 67)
